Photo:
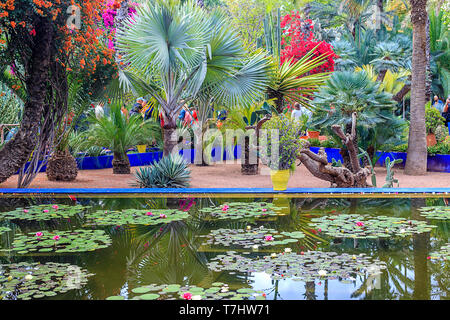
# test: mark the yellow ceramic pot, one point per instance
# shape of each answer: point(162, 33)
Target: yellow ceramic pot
point(280, 179)
point(141, 148)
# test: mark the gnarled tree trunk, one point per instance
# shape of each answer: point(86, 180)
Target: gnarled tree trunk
point(62, 166)
point(18, 150)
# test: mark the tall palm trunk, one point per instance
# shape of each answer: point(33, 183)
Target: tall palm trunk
point(18, 150)
point(416, 162)
point(121, 163)
point(170, 137)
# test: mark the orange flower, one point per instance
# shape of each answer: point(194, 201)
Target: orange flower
point(13, 24)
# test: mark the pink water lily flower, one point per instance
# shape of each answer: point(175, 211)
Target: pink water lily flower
point(264, 210)
point(149, 214)
point(39, 234)
point(56, 238)
point(187, 296)
point(225, 207)
point(25, 211)
point(162, 215)
point(360, 224)
point(45, 211)
point(55, 207)
point(268, 238)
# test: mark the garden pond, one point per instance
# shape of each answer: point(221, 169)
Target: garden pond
point(275, 248)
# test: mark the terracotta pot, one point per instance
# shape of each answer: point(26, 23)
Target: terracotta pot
point(431, 140)
point(313, 134)
point(280, 179)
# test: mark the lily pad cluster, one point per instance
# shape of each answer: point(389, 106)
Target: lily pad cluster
point(60, 241)
point(442, 254)
point(25, 281)
point(135, 216)
point(437, 212)
point(43, 212)
point(366, 227)
point(217, 291)
point(252, 237)
point(4, 229)
point(305, 266)
point(239, 210)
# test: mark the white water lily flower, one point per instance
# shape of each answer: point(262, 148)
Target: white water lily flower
point(402, 230)
point(28, 277)
point(197, 297)
point(255, 247)
point(273, 255)
point(287, 250)
point(322, 273)
point(224, 289)
point(249, 227)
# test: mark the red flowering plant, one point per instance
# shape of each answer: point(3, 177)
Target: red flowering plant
point(298, 41)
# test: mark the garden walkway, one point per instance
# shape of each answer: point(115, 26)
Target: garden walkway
point(227, 176)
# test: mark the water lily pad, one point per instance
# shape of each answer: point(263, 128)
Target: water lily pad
point(219, 291)
point(23, 281)
point(442, 254)
point(310, 265)
point(363, 227)
point(239, 210)
point(44, 212)
point(4, 229)
point(250, 237)
point(135, 216)
point(435, 212)
point(61, 241)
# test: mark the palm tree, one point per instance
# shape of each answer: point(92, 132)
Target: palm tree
point(416, 161)
point(119, 133)
point(167, 50)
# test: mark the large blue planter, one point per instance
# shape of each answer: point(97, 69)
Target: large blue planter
point(436, 163)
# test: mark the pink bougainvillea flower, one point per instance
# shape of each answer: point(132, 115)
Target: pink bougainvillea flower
point(149, 214)
point(56, 238)
point(39, 234)
point(225, 207)
point(187, 296)
point(55, 207)
point(360, 224)
point(45, 211)
point(162, 215)
point(268, 238)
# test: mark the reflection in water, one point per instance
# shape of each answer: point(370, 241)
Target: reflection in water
point(176, 252)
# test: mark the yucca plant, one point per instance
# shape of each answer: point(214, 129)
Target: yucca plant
point(171, 171)
point(119, 133)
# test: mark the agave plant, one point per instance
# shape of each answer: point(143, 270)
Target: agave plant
point(170, 172)
point(119, 133)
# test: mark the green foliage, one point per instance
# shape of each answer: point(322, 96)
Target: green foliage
point(347, 92)
point(390, 173)
point(314, 142)
point(287, 146)
point(10, 106)
point(119, 133)
point(433, 119)
point(171, 171)
point(329, 143)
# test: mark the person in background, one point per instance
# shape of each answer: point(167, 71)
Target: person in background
point(136, 107)
point(99, 112)
point(438, 104)
point(446, 113)
point(297, 113)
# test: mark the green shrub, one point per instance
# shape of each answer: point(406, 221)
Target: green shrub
point(329, 143)
point(314, 142)
point(288, 146)
point(433, 119)
point(170, 172)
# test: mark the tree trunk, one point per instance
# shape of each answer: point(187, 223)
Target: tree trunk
point(246, 167)
point(170, 137)
point(62, 166)
point(121, 164)
point(18, 150)
point(279, 100)
point(416, 161)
